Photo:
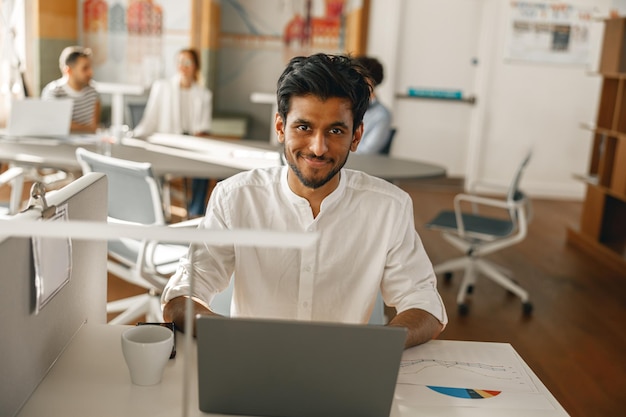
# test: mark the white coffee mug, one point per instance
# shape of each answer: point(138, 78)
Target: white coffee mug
point(146, 350)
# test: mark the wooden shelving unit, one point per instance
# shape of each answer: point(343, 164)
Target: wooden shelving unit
point(602, 230)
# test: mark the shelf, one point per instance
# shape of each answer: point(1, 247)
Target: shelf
point(613, 57)
point(587, 179)
point(608, 132)
point(609, 100)
point(467, 100)
point(591, 126)
point(593, 181)
point(603, 253)
point(603, 219)
point(617, 246)
point(612, 75)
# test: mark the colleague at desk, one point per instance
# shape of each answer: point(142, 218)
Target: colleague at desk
point(377, 118)
point(181, 105)
point(368, 241)
point(76, 67)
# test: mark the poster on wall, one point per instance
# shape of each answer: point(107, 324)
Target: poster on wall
point(257, 39)
point(551, 33)
point(134, 41)
point(296, 27)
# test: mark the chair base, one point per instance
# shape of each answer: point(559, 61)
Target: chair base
point(133, 307)
point(472, 267)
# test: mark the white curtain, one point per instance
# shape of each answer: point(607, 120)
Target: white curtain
point(11, 26)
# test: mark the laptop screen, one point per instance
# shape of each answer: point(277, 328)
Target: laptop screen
point(40, 118)
point(295, 368)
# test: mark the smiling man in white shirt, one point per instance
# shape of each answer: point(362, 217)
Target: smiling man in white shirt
point(368, 241)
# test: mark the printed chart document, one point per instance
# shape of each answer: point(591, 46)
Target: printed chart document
point(468, 374)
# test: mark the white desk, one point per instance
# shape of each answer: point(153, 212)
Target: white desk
point(61, 155)
point(189, 162)
point(91, 378)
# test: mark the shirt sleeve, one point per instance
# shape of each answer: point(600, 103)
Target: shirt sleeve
point(149, 121)
point(48, 92)
point(213, 265)
point(409, 280)
point(206, 113)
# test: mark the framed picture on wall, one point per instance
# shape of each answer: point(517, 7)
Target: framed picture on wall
point(134, 41)
point(257, 38)
point(552, 33)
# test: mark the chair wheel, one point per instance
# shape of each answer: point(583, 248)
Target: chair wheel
point(527, 308)
point(470, 289)
point(447, 277)
point(463, 309)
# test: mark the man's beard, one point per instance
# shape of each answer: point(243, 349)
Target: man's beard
point(311, 183)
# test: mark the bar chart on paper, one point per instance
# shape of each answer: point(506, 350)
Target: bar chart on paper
point(493, 376)
point(469, 375)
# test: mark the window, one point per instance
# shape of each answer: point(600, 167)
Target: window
point(12, 54)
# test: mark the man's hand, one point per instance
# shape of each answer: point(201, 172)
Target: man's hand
point(174, 311)
point(422, 326)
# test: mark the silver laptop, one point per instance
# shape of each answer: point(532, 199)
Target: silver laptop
point(40, 118)
point(296, 369)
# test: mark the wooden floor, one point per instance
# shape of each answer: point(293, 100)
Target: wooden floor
point(575, 340)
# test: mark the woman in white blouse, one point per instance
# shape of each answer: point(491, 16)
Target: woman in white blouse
point(181, 105)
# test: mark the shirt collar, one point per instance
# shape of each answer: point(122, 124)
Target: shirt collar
point(328, 201)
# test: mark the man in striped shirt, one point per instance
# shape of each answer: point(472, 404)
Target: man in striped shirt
point(75, 64)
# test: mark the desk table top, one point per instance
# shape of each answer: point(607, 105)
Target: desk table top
point(91, 378)
point(169, 160)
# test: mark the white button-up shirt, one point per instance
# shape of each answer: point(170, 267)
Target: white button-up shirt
point(368, 244)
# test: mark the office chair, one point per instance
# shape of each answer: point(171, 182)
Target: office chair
point(135, 198)
point(387, 148)
point(13, 177)
point(479, 235)
point(134, 113)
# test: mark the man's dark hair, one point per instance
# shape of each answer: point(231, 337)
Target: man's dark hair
point(324, 76)
point(73, 58)
point(374, 68)
point(70, 55)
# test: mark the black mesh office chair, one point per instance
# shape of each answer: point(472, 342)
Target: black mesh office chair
point(478, 235)
point(387, 148)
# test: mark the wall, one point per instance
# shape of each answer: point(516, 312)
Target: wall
point(435, 43)
point(519, 105)
point(256, 41)
point(56, 27)
point(31, 343)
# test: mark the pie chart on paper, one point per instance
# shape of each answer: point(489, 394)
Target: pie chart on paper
point(467, 393)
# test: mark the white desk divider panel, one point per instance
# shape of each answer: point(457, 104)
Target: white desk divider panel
point(34, 342)
point(30, 343)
